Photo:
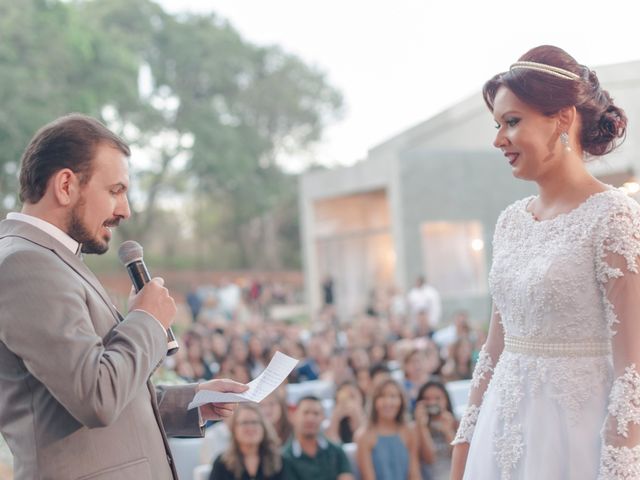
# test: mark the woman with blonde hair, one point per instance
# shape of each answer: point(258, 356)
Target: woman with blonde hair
point(254, 453)
point(275, 409)
point(387, 447)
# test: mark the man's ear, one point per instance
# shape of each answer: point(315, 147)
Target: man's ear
point(566, 119)
point(66, 186)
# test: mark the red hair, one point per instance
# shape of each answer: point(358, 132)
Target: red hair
point(603, 125)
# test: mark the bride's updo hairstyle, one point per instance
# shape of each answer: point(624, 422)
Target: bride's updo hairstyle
point(564, 84)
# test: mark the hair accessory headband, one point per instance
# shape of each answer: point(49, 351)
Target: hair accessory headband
point(550, 69)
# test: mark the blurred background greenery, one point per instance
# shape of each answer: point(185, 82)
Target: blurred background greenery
point(211, 117)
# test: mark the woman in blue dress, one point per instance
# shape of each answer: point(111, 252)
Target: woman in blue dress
point(387, 447)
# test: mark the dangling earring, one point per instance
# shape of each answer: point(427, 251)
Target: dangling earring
point(564, 140)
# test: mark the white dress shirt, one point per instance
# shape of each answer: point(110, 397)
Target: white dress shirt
point(48, 228)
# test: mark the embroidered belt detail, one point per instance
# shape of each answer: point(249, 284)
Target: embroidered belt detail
point(529, 346)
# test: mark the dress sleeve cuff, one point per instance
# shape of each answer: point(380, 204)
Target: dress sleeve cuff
point(467, 425)
point(619, 463)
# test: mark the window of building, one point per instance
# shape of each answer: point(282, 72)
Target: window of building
point(454, 257)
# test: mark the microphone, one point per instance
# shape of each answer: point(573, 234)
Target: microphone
point(130, 254)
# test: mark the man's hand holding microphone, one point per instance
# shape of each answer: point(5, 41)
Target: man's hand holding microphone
point(154, 298)
point(150, 295)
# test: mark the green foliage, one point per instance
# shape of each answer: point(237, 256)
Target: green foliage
point(49, 65)
point(216, 116)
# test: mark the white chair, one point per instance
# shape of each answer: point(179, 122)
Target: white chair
point(350, 450)
point(318, 388)
point(202, 472)
point(398, 376)
point(459, 394)
point(327, 405)
point(186, 455)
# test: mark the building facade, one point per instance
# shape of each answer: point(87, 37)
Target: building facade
point(425, 202)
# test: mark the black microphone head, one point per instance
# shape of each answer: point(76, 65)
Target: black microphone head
point(129, 251)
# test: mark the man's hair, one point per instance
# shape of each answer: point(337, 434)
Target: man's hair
point(67, 142)
point(311, 398)
point(378, 368)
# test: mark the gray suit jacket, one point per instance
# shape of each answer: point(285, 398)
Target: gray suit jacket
point(75, 400)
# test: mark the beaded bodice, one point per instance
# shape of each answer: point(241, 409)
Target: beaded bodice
point(543, 277)
point(564, 330)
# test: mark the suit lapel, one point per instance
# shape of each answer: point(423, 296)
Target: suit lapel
point(156, 412)
point(14, 228)
point(81, 269)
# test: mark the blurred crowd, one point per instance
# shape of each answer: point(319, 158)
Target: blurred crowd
point(388, 413)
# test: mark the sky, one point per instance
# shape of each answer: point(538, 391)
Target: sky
point(398, 63)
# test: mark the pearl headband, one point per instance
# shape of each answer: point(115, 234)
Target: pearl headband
point(550, 69)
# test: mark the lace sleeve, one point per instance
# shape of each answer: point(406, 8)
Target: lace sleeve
point(618, 274)
point(482, 374)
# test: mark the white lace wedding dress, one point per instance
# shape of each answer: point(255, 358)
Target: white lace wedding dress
point(556, 391)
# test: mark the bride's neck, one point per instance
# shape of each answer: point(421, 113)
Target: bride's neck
point(566, 186)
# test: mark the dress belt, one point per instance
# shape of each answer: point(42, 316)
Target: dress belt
point(544, 348)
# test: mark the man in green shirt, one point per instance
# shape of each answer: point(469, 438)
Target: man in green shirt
point(309, 455)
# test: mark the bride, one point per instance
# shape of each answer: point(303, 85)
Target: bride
point(556, 390)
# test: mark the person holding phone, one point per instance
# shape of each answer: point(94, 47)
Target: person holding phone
point(436, 427)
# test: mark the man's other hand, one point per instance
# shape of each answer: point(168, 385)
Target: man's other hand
point(216, 411)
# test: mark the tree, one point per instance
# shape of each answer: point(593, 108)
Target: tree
point(214, 118)
point(246, 106)
point(52, 63)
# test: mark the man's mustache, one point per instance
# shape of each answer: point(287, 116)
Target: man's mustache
point(114, 222)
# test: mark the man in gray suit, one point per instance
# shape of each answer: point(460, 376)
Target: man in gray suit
point(75, 396)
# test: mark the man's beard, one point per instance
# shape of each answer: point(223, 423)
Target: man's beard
point(79, 232)
point(309, 435)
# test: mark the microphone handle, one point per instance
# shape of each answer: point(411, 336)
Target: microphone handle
point(139, 276)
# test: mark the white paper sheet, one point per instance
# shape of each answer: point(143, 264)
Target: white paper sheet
point(279, 367)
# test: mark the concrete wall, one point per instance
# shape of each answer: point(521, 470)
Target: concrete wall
point(367, 176)
point(455, 186)
point(446, 168)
